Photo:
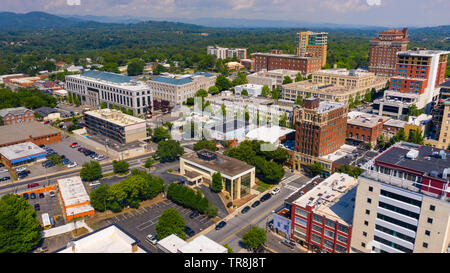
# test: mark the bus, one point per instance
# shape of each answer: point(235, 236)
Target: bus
point(46, 221)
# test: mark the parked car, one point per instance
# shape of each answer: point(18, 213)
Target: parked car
point(42, 249)
point(194, 214)
point(72, 165)
point(189, 231)
point(52, 194)
point(275, 191)
point(245, 210)
point(2, 165)
point(37, 206)
point(3, 170)
point(25, 195)
point(74, 145)
point(255, 204)
point(20, 169)
point(288, 243)
point(265, 197)
point(32, 185)
point(151, 239)
point(41, 195)
point(95, 183)
point(221, 225)
point(5, 178)
point(32, 195)
point(93, 155)
point(100, 158)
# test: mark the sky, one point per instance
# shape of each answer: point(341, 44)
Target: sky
point(360, 12)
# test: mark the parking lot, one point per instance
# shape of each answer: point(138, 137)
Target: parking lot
point(63, 148)
point(142, 222)
point(49, 205)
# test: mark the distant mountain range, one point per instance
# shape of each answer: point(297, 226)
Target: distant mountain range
point(36, 20)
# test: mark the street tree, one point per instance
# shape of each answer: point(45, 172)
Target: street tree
point(170, 222)
point(120, 166)
point(91, 171)
point(169, 150)
point(254, 237)
point(216, 184)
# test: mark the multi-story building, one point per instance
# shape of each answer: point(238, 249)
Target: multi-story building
point(365, 127)
point(383, 51)
point(253, 90)
point(312, 44)
point(16, 115)
point(272, 78)
point(272, 61)
point(320, 130)
point(402, 202)
point(319, 216)
point(420, 72)
point(115, 125)
point(392, 127)
point(328, 92)
point(178, 88)
point(394, 104)
point(238, 177)
point(223, 52)
point(95, 87)
point(354, 78)
point(420, 123)
point(441, 119)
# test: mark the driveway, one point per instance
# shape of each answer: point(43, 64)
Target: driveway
point(215, 199)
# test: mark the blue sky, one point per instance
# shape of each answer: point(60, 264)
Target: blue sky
point(367, 12)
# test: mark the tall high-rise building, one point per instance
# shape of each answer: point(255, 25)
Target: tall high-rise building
point(312, 44)
point(320, 130)
point(402, 202)
point(383, 51)
point(420, 72)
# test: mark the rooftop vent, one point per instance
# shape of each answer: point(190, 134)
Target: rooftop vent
point(442, 154)
point(206, 155)
point(412, 154)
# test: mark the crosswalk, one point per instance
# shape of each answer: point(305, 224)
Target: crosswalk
point(291, 187)
point(288, 180)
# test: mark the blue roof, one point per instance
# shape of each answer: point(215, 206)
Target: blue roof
point(173, 80)
point(107, 76)
point(206, 74)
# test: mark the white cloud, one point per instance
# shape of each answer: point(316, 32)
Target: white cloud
point(373, 2)
point(73, 2)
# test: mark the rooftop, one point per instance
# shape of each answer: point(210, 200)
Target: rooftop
point(423, 52)
point(424, 159)
point(107, 76)
point(115, 116)
point(202, 244)
point(111, 239)
point(180, 79)
point(172, 243)
point(345, 72)
point(45, 111)
point(14, 111)
point(229, 126)
point(23, 131)
point(446, 83)
point(228, 166)
point(365, 120)
point(422, 119)
point(333, 198)
point(283, 55)
point(395, 123)
point(269, 134)
point(72, 191)
point(21, 150)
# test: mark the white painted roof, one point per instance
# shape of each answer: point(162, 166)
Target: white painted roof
point(20, 150)
point(203, 244)
point(72, 191)
point(268, 134)
point(172, 243)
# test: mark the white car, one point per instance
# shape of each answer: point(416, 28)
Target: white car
point(151, 239)
point(20, 169)
point(100, 158)
point(72, 165)
point(3, 170)
point(95, 183)
point(275, 191)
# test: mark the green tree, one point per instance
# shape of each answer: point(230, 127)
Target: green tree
point(213, 90)
point(169, 150)
point(368, 96)
point(223, 83)
point(265, 91)
point(160, 134)
point(240, 79)
point(201, 93)
point(159, 69)
point(284, 121)
point(276, 93)
point(299, 100)
point(20, 229)
point(414, 111)
point(244, 92)
point(298, 77)
point(170, 222)
point(149, 162)
point(254, 237)
point(287, 80)
point(416, 137)
point(230, 250)
point(224, 110)
point(91, 171)
point(315, 169)
point(99, 197)
point(217, 184)
point(205, 144)
point(380, 142)
point(136, 67)
point(120, 166)
point(102, 105)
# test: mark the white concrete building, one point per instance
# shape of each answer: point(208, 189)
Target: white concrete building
point(271, 78)
point(94, 87)
point(201, 244)
point(223, 52)
point(253, 90)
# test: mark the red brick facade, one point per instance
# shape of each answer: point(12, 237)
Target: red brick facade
point(10, 118)
point(284, 61)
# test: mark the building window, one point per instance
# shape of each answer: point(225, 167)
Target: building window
point(425, 245)
point(370, 188)
point(367, 212)
point(427, 232)
point(363, 244)
point(318, 218)
point(343, 228)
point(366, 223)
point(317, 228)
point(300, 221)
point(430, 220)
point(364, 234)
point(432, 208)
point(329, 233)
point(301, 212)
point(369, 200)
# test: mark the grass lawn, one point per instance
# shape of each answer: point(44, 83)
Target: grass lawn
point(263, 185)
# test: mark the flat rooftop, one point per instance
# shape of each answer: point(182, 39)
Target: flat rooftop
point(423, 52)
point(345, 72)
point(333, 198)
point(326, 106)
point(202, 244)
point(426, 162)
point(14, 111)
point(110, 239)
point(395, 123)
point(223, 164)
point(229, 126)
point(72, 191)
point(283, 55)
point(23, 131)
point(180, 79)
point(365, 120)
point(269, 134)
point(115, 117)
point(172, 243)
point(112, 79)
point(21, 150)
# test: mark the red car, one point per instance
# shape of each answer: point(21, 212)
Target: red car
point(32, 185)
point(74, 145)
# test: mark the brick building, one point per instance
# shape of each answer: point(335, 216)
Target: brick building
point(272, 61)
point(16, 115)
point(365, 127)
point(383, 51)
point(312, 44)
point(33, 131)
point(320, 130)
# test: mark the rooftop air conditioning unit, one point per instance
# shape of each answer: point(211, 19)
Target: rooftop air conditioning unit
point(412, 154)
